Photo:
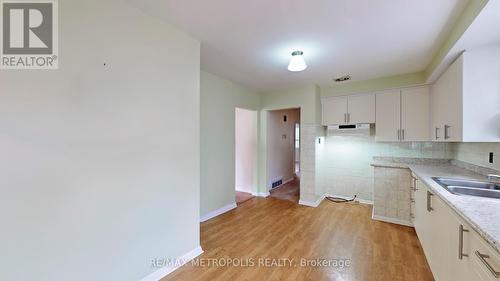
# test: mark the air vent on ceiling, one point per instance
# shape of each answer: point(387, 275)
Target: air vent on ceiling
point(342, 78)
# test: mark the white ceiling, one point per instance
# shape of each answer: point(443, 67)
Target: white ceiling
point(250, 42)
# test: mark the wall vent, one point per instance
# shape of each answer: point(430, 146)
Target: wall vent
point(342, 78)
point(277, 183)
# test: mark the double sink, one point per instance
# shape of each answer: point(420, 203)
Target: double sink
point(470, 187)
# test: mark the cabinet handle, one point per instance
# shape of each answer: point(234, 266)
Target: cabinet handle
point(414, 186)
point(446, 134)
point(482, 258)
point(345, 117)
point(348, 117)
point(437, 133)
point(403, 134)
point(429, 207)
point(399, 134)
point(461, 231)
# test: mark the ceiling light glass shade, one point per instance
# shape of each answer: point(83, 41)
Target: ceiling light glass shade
point(297, 63)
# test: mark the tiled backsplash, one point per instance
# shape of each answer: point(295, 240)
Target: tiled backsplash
point(343, 164)
point(476, 153)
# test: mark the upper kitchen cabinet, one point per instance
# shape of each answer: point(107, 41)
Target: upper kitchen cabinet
point(361, 109)
point(415, 120)
point(334, 110)
point(403, 115)
point(355, 109)
point(388, 116)
point(465, 100)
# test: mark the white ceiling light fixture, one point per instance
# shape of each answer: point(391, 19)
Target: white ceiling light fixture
point(297, 63)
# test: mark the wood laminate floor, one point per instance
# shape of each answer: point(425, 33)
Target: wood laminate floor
point(271, 228)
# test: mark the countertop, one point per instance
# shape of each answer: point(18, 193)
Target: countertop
point(483, 214)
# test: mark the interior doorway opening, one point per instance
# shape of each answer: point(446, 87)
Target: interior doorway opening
point(245, 154)
point(283, 154)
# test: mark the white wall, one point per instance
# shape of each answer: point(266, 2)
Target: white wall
point(481, 120)
point(100, 167)
point(246, 149)
point(219, 98)
point(281, 144)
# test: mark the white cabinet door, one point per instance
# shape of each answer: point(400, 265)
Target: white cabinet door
point(334, 110)
point(388, 115)
point(459, 264)
point(440, 229)
point(446, 105)
point(437, 119)
point(361, 109)
point(415, 114)
point(423, 221)
point(452, 103)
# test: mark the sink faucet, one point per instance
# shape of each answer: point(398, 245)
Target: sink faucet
point(494, 177)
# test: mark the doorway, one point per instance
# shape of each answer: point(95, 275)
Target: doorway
point(283, 154)
point(245, 154)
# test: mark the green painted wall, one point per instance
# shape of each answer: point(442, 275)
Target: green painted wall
point(306, 97)
point(373, 84)
point(100, 165)
point(219, 98)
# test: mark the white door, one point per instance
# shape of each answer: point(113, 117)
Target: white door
point(415, 114)
point(388, 116)
point(361, 109)
point(334, 110)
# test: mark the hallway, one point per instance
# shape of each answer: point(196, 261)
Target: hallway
point(289, 191)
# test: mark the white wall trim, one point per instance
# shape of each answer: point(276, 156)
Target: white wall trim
point(392, 220)
point(261, 194)
point(240, 189)
point(218, 212)
point(287, 181)
point(312, 204)
point(164, 271)
point(362, 201)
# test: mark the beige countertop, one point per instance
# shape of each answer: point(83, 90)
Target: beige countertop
point(483, 214)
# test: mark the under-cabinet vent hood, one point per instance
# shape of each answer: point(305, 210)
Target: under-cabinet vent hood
point(349, 130)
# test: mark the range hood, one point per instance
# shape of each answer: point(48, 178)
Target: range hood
point(348, 129)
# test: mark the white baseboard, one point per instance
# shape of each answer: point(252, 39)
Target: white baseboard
point(218, 212)
point(243, 190)
point(362, 201)
point(261, 194)
point(312, 204)
point(392, 220)
point(164, 271)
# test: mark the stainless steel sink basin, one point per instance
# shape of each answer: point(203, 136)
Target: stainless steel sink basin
point(470, 187)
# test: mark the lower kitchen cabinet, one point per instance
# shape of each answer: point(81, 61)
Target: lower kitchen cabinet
point(454, 251)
